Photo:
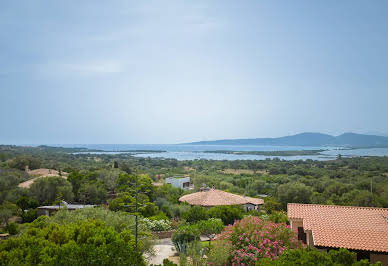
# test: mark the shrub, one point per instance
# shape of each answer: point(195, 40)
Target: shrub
point(195, 214)
point(84, 243)
point(12, 228)
point(183, 236)
point(29, 216)
point(253, 238)
point(119, 221)
point(228, 214)
point(159, 216)
point(219, 253)
point(278, 217)
point(157, 225)
point(210, 227)
point(311, 257)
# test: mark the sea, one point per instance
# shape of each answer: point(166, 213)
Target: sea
point(197, 152)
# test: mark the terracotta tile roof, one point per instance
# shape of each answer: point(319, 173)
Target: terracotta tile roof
point(360, 228)
point(254, 201)
point(214, 197)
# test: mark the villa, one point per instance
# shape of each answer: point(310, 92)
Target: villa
point(49, 210)
point(363, 230)
point(210, 197)
point(179, 182)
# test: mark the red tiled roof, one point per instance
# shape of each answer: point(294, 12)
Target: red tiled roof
point(214, 197)
point(360, 228)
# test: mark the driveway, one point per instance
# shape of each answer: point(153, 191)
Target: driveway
point(163, 248)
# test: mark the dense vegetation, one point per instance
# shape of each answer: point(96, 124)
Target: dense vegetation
point(124, 186)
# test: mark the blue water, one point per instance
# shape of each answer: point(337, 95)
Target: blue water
point(192, 152)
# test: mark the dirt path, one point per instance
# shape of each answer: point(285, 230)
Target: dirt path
point(163, 248)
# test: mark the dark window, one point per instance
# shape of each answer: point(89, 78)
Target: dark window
point(302, 235)
point(361, 255)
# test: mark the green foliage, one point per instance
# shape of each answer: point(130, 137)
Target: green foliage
point(173, 210)
point(271, 204)
point(278, 217)
point(26, 203)
point(7, 210)
point(47, 189)
point(183, 236)
point(127, 202)
point(119, 221)
point(210, 227)
point(311, 257)
point(20, 162)
point(92, 193)
point(195, 214)
point(196, 254)
point(12, 228)
point(219, 253)
point(83, 243)
point(228, 214)
point(295, 193)
point(29, 215)
point(157, 225)
point(9, 179)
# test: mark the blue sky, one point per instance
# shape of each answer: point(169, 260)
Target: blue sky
point(178, 71)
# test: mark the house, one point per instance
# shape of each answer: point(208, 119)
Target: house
point(4, 236)
point(363, 230)
point(49, 210)
point(179, 182)
point(210, 197)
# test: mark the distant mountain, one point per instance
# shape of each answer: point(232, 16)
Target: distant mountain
point(308, 139)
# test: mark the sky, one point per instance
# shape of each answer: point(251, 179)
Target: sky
point(127, 72)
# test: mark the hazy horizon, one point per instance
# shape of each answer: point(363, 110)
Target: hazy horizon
point(134, 72)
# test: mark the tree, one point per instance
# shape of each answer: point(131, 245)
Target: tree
point(92, 193)
point(46, 189)
point(271, 204)
point(211, 228)
point(228, 214)
point(7, 210)
point(294, 193)
point(195, 214)
point(20, 162)
point(84, 243)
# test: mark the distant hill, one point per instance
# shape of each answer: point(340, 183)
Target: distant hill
point(308, 139)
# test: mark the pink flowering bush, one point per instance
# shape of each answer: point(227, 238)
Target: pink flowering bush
point(253, 238)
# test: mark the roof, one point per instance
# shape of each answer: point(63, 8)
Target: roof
point(214, 197)
point(66, 205)
point(359, 228)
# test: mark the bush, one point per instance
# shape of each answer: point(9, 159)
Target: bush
point(157, 225)
point(311, 257)
point(219, 253)
point(278, 217)
point(84, 243)
point(228, 214)
point(210, 227)
point(183, 236)
point(119, 221)
point(12, 228)
point(253, 238)
point(159, 216)
point(29, 216)
point(195, 214)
